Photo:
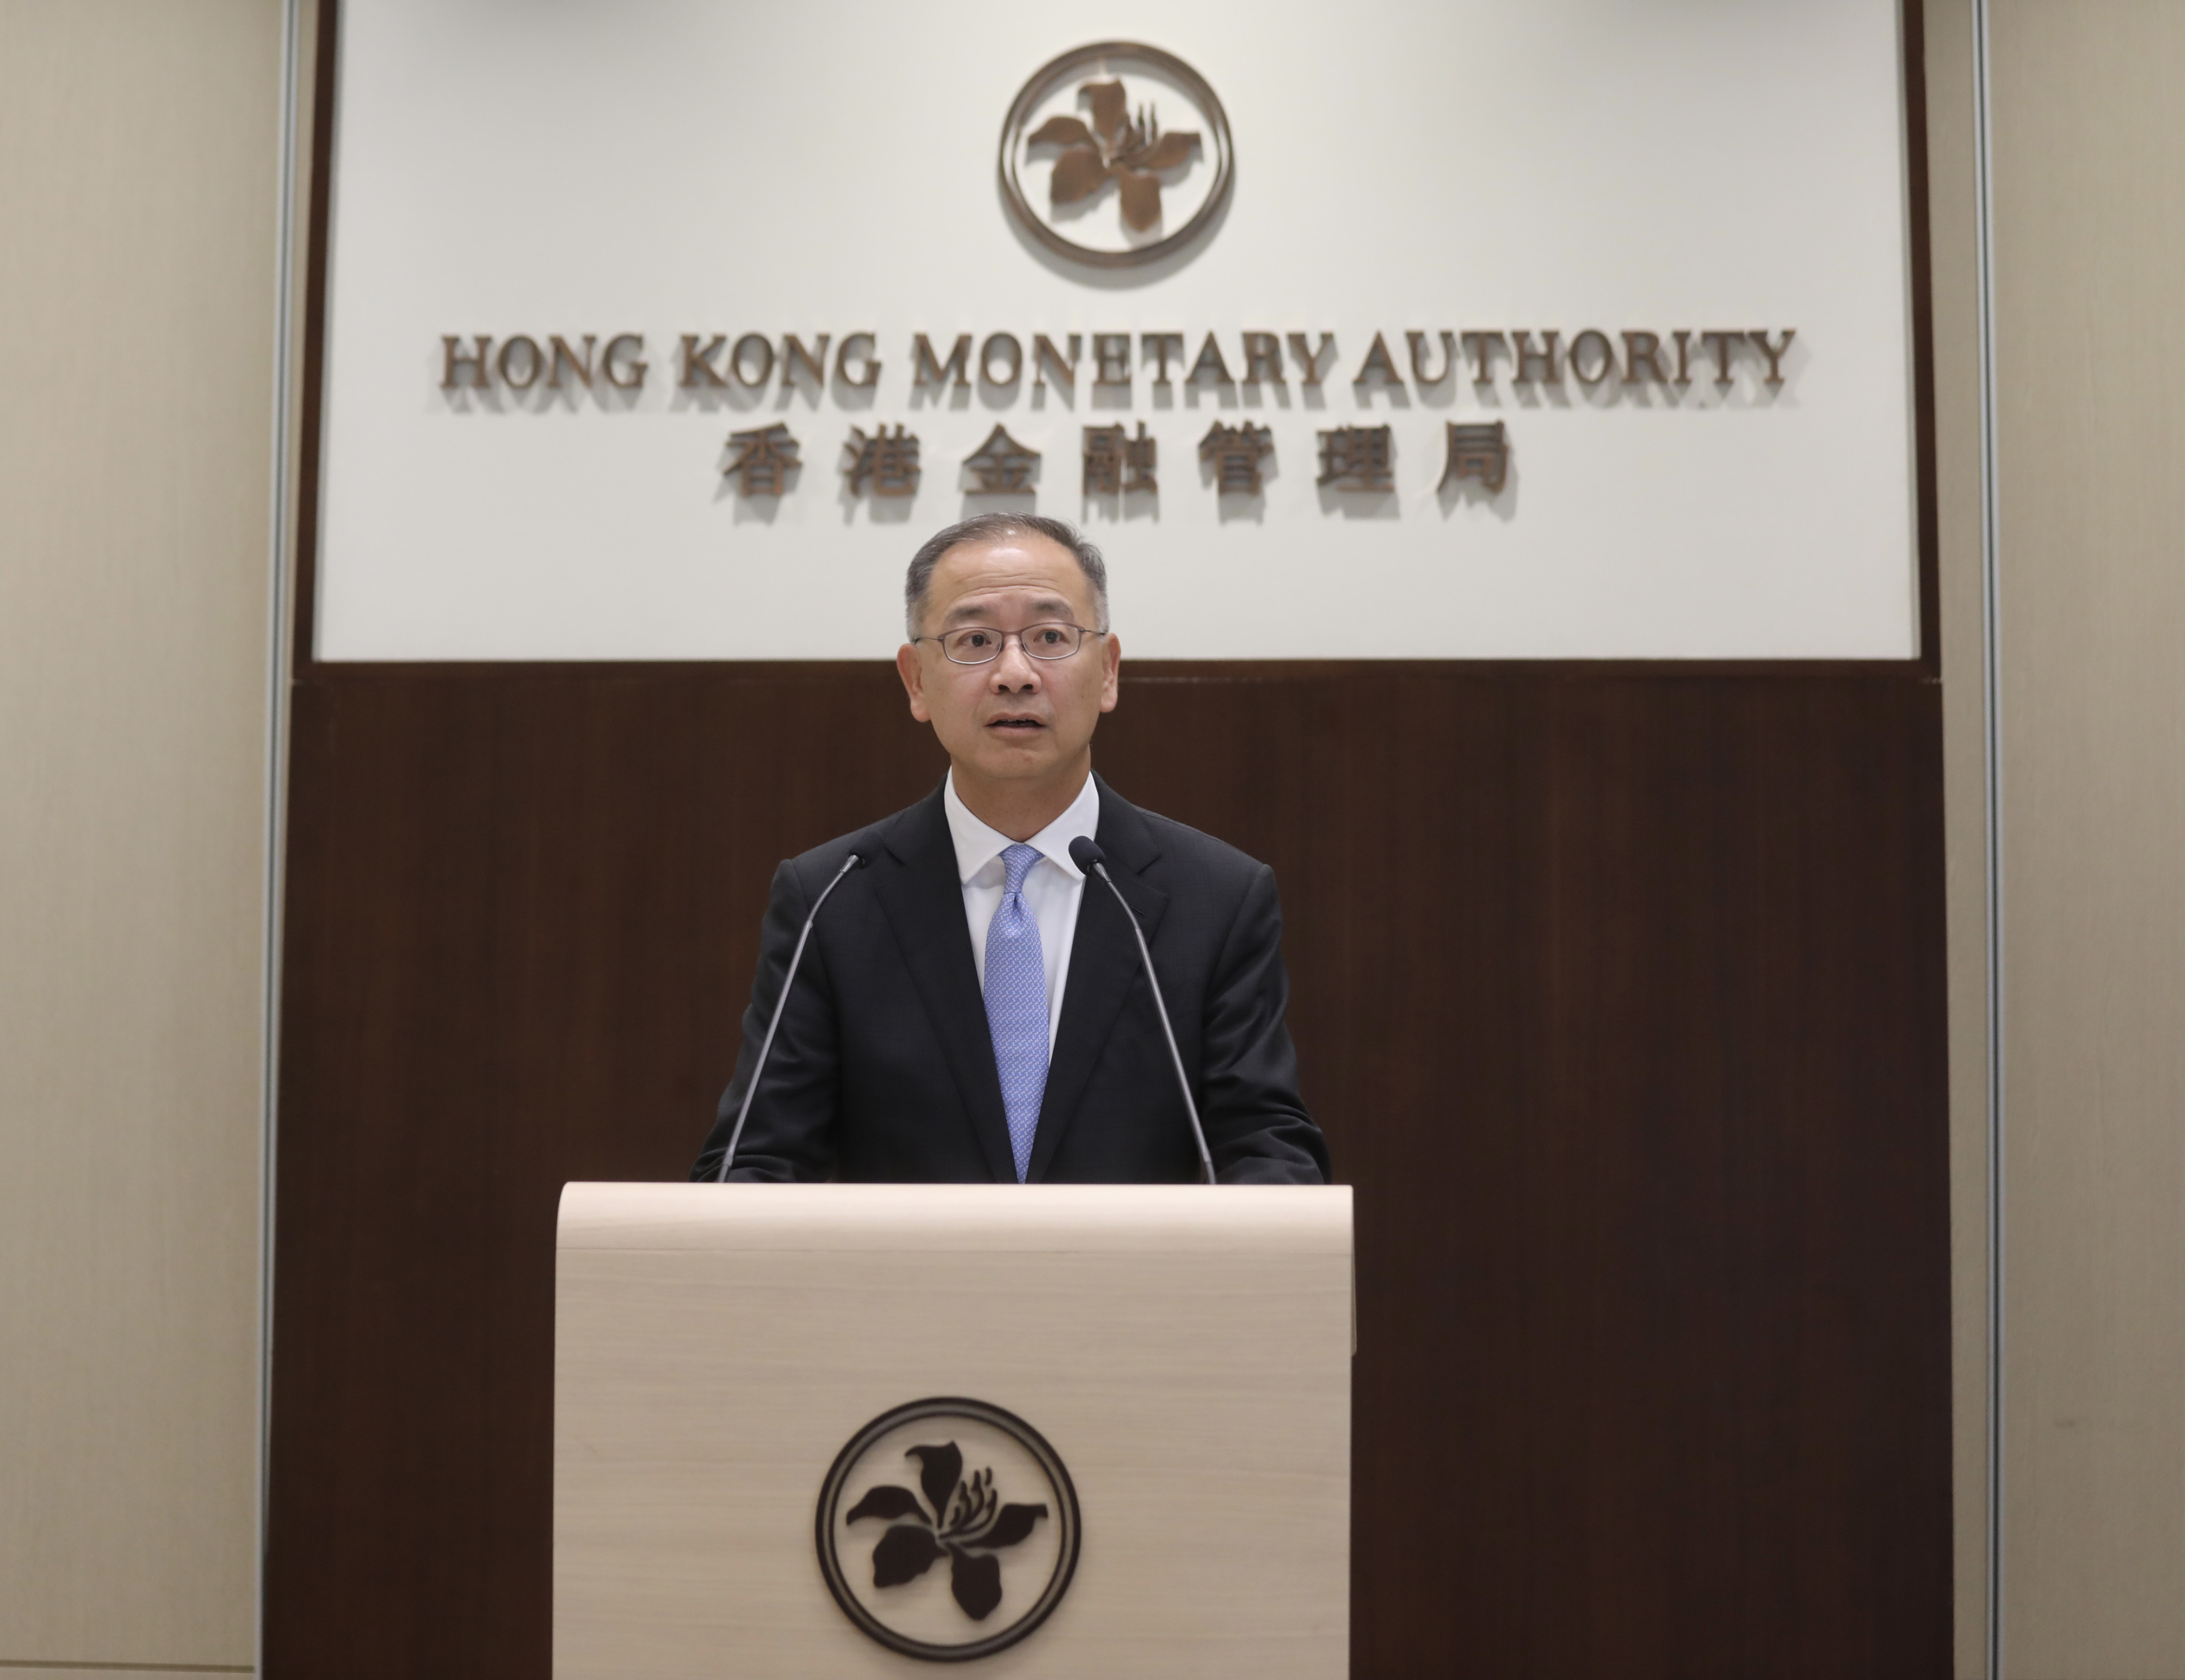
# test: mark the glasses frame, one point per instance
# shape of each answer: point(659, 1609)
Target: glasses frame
point(1016, 636)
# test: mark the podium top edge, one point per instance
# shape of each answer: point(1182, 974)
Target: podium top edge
point(1003, 1218)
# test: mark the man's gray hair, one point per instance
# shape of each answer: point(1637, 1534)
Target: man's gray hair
point(986, 527)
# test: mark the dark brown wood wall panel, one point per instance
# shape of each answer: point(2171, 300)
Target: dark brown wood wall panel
point(1618, 990)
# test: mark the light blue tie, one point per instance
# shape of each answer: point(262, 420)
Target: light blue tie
point(1016, 1005)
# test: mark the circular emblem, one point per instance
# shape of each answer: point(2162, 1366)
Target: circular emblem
point(1115, 154)
point(947, 1529)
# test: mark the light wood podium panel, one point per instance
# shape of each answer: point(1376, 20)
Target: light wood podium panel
point(1184, 1351)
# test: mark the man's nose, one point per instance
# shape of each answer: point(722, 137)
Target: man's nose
point(1015, 668)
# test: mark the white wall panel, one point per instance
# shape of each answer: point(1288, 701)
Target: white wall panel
point(689, 166)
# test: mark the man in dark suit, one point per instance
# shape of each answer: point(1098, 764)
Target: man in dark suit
point(971, 1007)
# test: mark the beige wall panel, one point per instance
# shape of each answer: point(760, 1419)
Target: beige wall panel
point(139, 1672)
point(136, 1673)
point(2089, 127)
point(1952, 227)
point(139, 146)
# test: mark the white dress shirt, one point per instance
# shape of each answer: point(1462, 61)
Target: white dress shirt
point(1051, 891)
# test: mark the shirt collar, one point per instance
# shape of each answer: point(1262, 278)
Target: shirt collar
point(977, 844)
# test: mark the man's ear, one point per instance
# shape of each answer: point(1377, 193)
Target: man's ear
point(912, 673)
point(1111, 654)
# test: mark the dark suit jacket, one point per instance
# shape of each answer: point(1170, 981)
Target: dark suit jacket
point(884, 1069)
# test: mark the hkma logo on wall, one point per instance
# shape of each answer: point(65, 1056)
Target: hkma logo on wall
point(1122, 186)
point(1114, 156)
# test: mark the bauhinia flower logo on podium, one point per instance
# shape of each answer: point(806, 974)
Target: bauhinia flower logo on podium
point(961, 1519)
point(952, 1481)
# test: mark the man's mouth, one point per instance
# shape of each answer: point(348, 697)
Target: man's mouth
point(1016, 723)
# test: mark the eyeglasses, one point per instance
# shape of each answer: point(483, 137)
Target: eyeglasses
point(979, 644)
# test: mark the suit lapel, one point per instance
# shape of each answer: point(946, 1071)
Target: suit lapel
point(1103, 967)
point(923, 899)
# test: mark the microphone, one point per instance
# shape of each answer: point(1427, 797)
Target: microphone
point(766, 1045)
point(1086, 853)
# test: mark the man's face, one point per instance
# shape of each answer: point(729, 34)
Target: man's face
point(1014, 717)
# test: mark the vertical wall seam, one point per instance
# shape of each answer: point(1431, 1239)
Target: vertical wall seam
point(279, 550)
point(1992, 817)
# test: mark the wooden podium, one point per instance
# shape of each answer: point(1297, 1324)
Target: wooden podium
point(1077, 1432)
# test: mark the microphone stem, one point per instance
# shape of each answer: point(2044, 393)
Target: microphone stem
point(781, 1003)
point(1160, 1008)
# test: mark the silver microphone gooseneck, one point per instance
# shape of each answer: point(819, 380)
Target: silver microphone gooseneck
point(766, 1045)
point(1087, 856)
